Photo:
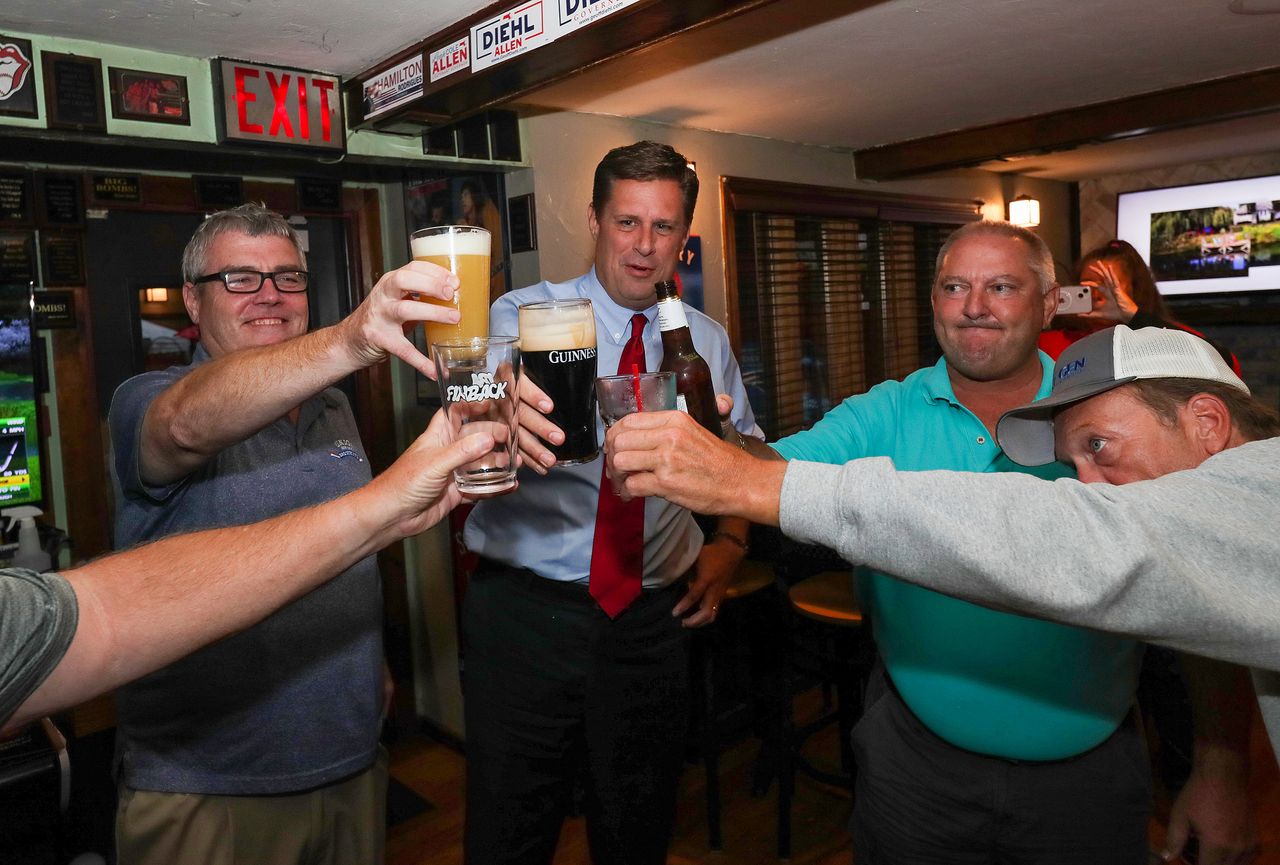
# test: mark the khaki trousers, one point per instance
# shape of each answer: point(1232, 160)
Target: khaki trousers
point(341, 824)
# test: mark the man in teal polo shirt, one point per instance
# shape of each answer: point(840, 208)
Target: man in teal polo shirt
point(991, 737)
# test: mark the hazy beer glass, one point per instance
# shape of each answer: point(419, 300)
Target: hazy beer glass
point(558, 350)
point(464, 250)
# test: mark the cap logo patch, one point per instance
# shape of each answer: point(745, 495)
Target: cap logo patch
point(1071, 369)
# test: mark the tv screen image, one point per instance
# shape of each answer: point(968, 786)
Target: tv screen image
point(1207, 238)
point(20, 477)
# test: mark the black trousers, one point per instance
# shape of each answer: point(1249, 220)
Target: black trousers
point(921, 800)
point(555, 690)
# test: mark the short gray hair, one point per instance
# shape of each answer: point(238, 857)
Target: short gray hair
point(253, 219)
point(1039, 258)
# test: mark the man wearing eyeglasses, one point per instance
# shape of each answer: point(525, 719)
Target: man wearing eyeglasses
point(262, 748)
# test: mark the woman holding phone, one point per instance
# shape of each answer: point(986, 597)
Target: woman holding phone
point(1124, 292)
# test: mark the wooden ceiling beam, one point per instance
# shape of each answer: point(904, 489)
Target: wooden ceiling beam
point(1192, 105)
point(467, 92)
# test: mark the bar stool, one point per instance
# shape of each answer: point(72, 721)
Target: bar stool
point(827, 615)
point(752, 579)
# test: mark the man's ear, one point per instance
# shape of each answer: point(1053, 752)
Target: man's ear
point(1050, 305)
point(593, 224)
point(191, 300)
point(1208, 421)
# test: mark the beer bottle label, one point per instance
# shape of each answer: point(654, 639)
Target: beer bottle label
point(671, 314)
point(681, 403)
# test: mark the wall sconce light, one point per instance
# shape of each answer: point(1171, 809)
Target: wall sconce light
point(1024, 211)
point(157, 295)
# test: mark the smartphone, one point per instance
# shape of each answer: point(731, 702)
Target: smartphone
point(1074, 299)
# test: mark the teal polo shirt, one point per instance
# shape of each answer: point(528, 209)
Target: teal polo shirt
point(989, 682)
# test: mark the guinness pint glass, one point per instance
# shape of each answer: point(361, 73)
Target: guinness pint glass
point(558, 351)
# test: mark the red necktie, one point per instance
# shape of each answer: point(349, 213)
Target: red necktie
point(617, 553)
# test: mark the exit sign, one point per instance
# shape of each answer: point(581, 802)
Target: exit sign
point(279, 106)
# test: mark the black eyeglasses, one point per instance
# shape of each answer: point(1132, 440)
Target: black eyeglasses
point(250, 281)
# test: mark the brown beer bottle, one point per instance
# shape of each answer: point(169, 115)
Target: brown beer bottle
point(695, 392)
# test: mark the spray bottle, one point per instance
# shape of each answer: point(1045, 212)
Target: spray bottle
point(29, 554)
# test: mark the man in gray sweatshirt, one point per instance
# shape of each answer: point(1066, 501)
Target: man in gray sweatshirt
point(1171, 539)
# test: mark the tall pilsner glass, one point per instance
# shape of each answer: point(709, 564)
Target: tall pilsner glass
point(558, 351)
point(464, 250)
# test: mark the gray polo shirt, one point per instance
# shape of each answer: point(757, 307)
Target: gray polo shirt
point(293, 702)
point(38, 616)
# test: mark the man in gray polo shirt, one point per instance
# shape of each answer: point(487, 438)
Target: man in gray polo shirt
point(279, 722)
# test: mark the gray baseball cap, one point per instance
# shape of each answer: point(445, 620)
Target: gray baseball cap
point(1101, 362)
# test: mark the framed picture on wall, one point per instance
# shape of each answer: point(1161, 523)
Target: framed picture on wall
point(464, 199)
point(17, 78)
point(156, 97)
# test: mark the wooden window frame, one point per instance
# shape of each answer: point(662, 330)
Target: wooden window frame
point(802, 201)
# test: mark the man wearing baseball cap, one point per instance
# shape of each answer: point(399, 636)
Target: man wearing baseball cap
point(1173, 538)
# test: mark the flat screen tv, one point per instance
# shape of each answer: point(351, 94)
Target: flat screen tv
point(1210, 238)
point(21, 465)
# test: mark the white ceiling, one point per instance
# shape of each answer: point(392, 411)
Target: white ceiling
point(838, 73)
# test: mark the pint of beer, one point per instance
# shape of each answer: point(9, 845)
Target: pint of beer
point(464, 250)
point(558, 350)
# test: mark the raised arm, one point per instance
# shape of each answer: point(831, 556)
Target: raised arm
point(668, 454)
point(144, 608)
point(1186, 560)
point(228, 399)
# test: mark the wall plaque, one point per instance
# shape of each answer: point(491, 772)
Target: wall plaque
point(219, 192)
point(18, 78)
point(63, 257)
point(60, 200)
point(109, 188)
point(319, 194)
point(73, 92)
point(15, 199)
point(17, 256)
point(55, 310)
point(524, 230)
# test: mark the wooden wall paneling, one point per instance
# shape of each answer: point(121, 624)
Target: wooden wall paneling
point(84, 467)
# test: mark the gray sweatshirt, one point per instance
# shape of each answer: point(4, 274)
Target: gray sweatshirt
point(1190, 560)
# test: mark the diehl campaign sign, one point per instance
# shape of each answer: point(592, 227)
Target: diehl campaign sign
point(573, 14)
point(514, 32)
point(277, 106)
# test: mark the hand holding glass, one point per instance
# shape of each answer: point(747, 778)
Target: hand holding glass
point(558, 351)
point(620, 395)
point(464, 251)
point(478, 386)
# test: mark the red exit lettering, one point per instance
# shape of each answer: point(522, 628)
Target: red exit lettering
point(288, 94)
point(243, 98)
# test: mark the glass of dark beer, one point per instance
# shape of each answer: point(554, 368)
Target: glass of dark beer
point(558, 350)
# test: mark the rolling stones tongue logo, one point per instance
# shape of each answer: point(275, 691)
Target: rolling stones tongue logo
point(13, 70)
